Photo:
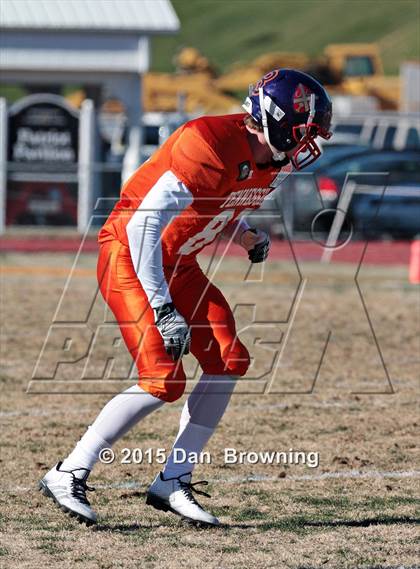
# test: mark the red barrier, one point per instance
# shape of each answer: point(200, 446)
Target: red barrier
point(374, 253)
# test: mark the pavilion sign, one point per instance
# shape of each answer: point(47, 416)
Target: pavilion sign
point(43, 134)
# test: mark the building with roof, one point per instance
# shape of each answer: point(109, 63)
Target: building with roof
point(101, 45)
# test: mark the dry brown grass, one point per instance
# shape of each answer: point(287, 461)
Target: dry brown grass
point(277, 520)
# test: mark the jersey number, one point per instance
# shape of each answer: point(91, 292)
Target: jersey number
point(206, 236)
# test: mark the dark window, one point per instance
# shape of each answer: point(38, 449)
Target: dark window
point(413, 139)
point(389, 136)
point(348, 128)
point(151, 135)
point(358, 65)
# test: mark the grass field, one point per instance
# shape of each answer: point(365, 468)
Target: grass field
point(358, 508)
point(240, 30)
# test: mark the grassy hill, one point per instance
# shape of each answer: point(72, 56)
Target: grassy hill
point(227, 31)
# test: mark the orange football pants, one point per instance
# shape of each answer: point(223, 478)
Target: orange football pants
point(213, 334)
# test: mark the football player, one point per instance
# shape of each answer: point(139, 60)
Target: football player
point(203, 179)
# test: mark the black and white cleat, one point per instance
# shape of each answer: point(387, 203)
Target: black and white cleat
point(68, 490)
point(175, 495)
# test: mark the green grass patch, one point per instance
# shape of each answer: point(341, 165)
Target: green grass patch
point(51, 544)
point(370, 503)
point(250, 514)
point(230, 549)
point(389, 502)
point(324, 501)
point(262, 495)
point(293, 524)
point(228, 32)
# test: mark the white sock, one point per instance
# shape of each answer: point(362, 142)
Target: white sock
point(199, 418)
point(118, 416)
point(85, 453)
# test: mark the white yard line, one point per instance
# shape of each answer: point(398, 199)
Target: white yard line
point(37, 412)
point(343, 474)
point(325, 475)
point(320, 405)
point(44, 413)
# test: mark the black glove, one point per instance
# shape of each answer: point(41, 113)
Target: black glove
point(260, 251)
point(174, 330)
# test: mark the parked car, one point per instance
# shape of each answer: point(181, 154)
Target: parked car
point(392, 211)
point(385, 189)
point(312, 190)
point(302, 195)
point(293, 206)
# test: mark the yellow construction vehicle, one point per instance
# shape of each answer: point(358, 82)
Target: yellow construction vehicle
point(356, 69)
point(187, 92)
point(348, 69)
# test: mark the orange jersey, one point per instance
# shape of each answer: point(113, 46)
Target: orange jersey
point(211, 156)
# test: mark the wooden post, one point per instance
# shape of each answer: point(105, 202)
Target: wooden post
point(3, 163)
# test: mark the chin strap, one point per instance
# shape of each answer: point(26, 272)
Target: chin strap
point(278, 114)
